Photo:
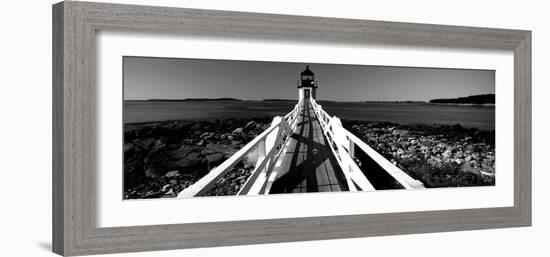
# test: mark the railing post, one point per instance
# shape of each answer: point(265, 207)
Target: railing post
point(261, 151)
point(351, 148)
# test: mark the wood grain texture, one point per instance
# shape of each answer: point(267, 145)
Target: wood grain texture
point(58, 216)
point(74, 126)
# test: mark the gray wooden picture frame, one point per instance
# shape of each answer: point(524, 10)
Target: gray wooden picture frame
point(75, 25)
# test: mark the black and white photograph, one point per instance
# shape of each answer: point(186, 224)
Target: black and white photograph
point(146, 128)
point(205, 127)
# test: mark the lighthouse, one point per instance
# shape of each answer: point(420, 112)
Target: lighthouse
point(307, 86)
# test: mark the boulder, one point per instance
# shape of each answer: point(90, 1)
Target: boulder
point(227, 150)
point(183, 151)
point(128, 147)
point(171, 174)
point(190, 160)
point(215, 159)
point(144, 143)
point(238, 131)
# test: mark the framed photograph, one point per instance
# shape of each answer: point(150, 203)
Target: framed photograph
point(183, 128)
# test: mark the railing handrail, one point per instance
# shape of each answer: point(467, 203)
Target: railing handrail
point(403, 178)
point(256, 182)
point(355, 178)
point(341, 141)
point(206, 182)
point(399, 175)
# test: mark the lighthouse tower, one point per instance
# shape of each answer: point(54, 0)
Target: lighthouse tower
point(307, 86)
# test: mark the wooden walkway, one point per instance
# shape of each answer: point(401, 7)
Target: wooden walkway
point(307, 162)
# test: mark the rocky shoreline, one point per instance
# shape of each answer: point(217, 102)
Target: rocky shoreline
point(438, 155)
point(163, 158)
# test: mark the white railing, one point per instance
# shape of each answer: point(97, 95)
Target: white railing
point(342, 149)
point(342, 142)
point(268, 143)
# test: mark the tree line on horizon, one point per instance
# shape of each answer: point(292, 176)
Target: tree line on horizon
point(473, 99)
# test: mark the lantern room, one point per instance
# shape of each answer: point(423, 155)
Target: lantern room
point(307, 86)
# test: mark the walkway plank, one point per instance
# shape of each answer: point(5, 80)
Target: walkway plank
point(308, 165)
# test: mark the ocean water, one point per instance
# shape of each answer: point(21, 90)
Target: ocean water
point(405, 113)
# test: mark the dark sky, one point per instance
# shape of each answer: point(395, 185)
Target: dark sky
point(166, 78)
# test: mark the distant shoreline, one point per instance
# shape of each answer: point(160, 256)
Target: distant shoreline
point(473, 105)
point(486, 100)
point(486, 105)
point(191, 100)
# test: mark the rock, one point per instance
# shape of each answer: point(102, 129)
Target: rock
point(250, 125)
point(442, 145)
point(400, 151)
point(400, 132)
point(238, 131)
point(468, 158)
point(424, 149)
point(145, 143)
point(171, 174)
point(468, 168)
point(230, 138)
point(227, 150)
point(434, 161)
point(159, 145)
point(457, 127)
point(215, 159)
point(208, 136)
point(183, 151)
point(489, 158)
point(407, 156)
point(170, 192)
point(459, 154)
point(448, 153)
point(150, 173)
point(128, 147)
point(190, 160)
point(196, 126)
point(200, 143)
